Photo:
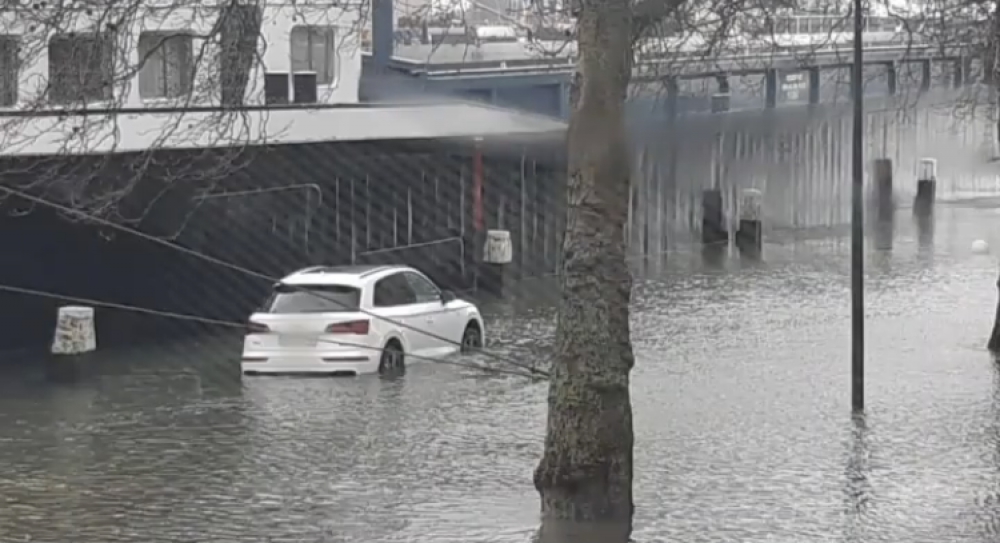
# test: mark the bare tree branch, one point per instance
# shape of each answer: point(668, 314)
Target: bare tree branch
point(82, 78)
point(647, 13)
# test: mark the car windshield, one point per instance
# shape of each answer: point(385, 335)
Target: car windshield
point(313, 299)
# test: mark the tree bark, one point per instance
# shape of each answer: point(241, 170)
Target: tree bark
point(585, 475)
point(994, 344)
point(239, 32)
point(991, 68)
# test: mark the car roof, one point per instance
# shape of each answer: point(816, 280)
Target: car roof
point(355, 275)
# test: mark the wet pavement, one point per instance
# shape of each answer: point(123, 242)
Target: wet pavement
point(741, 395)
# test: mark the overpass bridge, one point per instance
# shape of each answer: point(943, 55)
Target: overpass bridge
point(536, 76)
point(794, 155)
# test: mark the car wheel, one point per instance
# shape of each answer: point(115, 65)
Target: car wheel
point(472, 338)
point(393, 361)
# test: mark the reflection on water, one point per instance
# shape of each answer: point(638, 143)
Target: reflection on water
point(579, 532)
point(714, 256)
point(857, 488)
point(925, 233)
point(741, 394)
point(884, 232)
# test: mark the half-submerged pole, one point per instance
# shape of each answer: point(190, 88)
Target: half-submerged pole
point(857, 219)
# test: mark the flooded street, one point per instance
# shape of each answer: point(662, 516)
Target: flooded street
point(741, 394)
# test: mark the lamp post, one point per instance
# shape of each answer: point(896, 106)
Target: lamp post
point(857, 220)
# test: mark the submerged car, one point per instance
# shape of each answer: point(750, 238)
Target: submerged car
point(357, 320)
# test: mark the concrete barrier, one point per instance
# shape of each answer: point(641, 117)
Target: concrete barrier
point(750, 235)
point(75, 338)
point(498, 252)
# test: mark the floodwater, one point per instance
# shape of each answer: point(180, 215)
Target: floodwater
point(741, 393)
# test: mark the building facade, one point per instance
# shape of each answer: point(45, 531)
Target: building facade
point(235, 131)
point(159, 54)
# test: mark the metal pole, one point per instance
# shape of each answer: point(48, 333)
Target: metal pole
point(857, 221)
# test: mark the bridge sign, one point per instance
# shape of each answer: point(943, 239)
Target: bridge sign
point(794, 86)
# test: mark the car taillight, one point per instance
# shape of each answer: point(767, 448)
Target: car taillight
point(257, 328)
point(353, 327)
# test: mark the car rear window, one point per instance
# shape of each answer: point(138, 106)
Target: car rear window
point(313, 299)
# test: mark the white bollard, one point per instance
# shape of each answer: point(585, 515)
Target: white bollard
point(751, 205)
point(750, 235)
point(980, 247)
point(75, 336)
point(927, 169)
point(498, 251)
point(498, 248)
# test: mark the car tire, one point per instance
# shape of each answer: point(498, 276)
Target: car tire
point(393, 360)
point(472, 338)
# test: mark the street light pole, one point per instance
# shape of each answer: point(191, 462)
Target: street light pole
point(857, 220)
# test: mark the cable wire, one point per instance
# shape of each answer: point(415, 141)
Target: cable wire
point(242, 326)
point(531, 368)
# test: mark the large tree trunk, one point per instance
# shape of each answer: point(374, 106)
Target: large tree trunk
point(585, 475)
point(991, 69)
point(994, 343)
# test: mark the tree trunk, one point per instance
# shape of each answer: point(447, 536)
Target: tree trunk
point(585, 475)
point(239, 32)
point(994, 344)
point(991, 69)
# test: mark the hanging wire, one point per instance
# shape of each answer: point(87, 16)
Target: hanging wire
point(242, 326)
point(530, 368)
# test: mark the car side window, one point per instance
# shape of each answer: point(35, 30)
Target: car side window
point(393, 291)
point(424, 290)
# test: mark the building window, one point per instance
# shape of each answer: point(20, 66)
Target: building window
point(8, 70)
point(314, 49)
point(166, 63)
point(81, 68)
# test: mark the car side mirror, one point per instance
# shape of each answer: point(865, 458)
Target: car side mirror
point(447, 296)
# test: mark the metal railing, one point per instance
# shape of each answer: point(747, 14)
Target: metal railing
point(690, 54)
point(425, 255)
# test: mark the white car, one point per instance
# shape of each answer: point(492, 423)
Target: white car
point(357, 320)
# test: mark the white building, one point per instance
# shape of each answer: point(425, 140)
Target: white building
point(415, 9)
point(202, 74)
point(496, 12)
point(171, 56)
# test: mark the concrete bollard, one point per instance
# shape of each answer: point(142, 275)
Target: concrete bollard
point(750, 236)
point(884, 233)
point(925, 232)
point(713, 221)
point(74, 339)
point(885, 206)
point(498, 252)
point(923, 203)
